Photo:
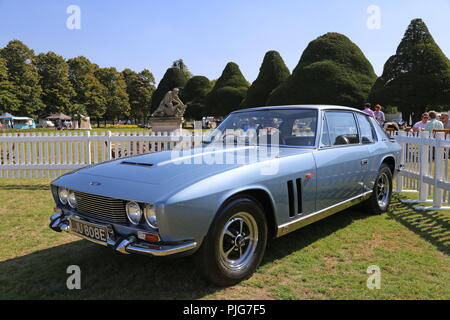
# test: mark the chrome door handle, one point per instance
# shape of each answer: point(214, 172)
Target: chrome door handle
point(365, 162)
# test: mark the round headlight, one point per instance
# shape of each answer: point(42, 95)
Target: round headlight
point(63, 195)
point(72, 200)
point(150, 215)
point(134, 212)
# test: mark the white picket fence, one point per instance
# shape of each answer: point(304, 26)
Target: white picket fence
point(425, 158)
point(48, 155)
point(425, 161)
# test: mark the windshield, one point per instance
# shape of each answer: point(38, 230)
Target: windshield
point(296, 127)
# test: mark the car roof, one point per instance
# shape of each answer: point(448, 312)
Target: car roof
point(307, 106)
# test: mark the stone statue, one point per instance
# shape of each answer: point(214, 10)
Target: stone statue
point(171, 105)
point(85, 122)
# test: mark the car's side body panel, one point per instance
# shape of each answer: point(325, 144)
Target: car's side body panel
point(184, 207)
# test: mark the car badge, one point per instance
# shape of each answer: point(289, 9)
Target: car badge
point(94, 183)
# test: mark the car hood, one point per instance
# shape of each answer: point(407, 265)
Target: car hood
point(166, 171)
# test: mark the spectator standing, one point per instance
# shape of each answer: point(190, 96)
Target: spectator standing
point(433, 124)
point(444, 120)
point(368, 110)
point(420, 126)
point(379, 115)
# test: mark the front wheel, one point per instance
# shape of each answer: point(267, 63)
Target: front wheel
point(235, 244)
point(380, 200)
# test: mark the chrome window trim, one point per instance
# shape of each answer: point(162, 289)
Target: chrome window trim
point(324, 147)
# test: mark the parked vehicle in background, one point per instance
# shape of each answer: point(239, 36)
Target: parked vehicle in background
point(46, 124)
point(321, 160)
point(23, 123)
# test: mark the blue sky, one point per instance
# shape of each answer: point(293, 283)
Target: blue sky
point(151, 34)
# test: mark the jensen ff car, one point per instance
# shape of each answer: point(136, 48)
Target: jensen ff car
point(261, 174)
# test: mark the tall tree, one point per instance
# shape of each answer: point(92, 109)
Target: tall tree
point(8, 100)
point(140, 89)
point(57, 91)
point(417, 77)
point(117, 104)
point(194, 96)
point(331, 70)
point(173, 78)
point(183, 67)
point(23, 76)
point(90, 94)
point(228, 92)
point(272, 73)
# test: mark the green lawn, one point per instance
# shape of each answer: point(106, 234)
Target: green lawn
point(327, 260)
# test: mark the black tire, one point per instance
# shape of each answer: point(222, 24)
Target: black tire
point(211, 256)
point(380, 199)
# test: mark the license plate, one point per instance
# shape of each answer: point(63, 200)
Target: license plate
point(93, 232)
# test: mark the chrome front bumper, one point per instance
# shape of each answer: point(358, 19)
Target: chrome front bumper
point(125, 245)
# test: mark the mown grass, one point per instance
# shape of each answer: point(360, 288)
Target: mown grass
point(327, 260)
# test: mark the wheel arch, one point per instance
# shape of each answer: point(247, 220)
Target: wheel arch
point(390, 161)
point(261, 196)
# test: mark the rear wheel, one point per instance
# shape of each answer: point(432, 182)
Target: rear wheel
point(380, 200)
point(235, 244)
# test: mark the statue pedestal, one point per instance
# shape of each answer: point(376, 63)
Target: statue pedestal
point(166, 124)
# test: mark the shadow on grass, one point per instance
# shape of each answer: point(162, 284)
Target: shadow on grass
point(432, 226)
point(26, 187)
point(109, 275)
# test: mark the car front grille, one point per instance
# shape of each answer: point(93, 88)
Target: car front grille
point(103, 208)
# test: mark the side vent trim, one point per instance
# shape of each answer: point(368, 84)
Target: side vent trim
point(299, 196)
point(290, 186)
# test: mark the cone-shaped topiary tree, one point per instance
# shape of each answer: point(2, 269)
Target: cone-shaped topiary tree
point(332, 70)
point(173, 78)
point(417, 77)
point(228, 92)
point(272, 73)
point(194, 96)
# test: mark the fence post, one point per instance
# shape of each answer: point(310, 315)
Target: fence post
point(423, 166)
point(108, 146)
point(438, 166)
point(88, 148)
point(400, 180)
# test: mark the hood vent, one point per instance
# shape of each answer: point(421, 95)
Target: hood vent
point(131, 163)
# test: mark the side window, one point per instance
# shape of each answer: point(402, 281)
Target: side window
point(342, 128)
point(367, 132)
point(325, 138)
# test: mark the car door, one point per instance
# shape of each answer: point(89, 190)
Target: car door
point(369, 139)
point(341, 160)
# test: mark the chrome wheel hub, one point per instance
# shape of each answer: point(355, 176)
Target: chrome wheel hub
point(382, 190)
point(238, 241)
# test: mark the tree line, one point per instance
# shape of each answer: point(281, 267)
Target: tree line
point(332, 70)
point(39, 85)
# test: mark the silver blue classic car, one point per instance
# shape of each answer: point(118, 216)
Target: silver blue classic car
point(261, 174)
